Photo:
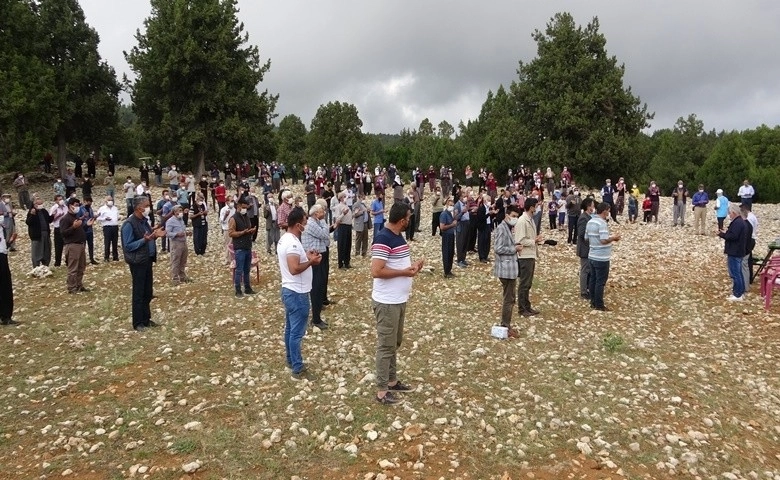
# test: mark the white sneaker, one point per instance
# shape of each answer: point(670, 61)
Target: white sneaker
point(732, 298)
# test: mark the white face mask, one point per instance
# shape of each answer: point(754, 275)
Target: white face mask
point(110, 203)
point(290, 201)
point(73, 210)
point(230, 204)
point(450, 208)
point(243, 211)
point(61, 203)
point(179, 215)
point(511, 221)
point(300, 204)
point(146, 211)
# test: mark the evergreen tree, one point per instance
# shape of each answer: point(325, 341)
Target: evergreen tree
point(196, 84)
point(335, 135)
point(290, 140)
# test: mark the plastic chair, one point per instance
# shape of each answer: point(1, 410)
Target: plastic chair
point(255, 262)
point(770, 279)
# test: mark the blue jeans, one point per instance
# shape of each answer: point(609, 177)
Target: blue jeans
point(296, 314)
point(378, 228)
point(243, 261)
point(599, 272)
point(735, 272)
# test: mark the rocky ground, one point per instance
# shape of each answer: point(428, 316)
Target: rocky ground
point(675, 381)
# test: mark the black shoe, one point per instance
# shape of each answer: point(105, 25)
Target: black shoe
point(83, 289)
point(534, 311)
point(388, 399)
point(585, 296)
point(320, 325)
point(94, 262)
point(105, 260)
point(400, 387)
point(140, 328)
point(326, 302)
point(152, 323)
point(239, 294)
point(527, 313)
point(603, 309)
point(304, 374)
point(449, 275)
point(249, 291)
point(8, 321)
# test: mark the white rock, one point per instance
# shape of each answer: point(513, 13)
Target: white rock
point(191, 467)
point(372, 435)
point(584, 448)
point(195, 425)
point(708, 422)
point(352, 449)
point(671, 438)
point(67, 472)
point(386, 464)
point(634, 447)
point(478, 352)
point(676, 400)
point(350, 417)
point(440, 421)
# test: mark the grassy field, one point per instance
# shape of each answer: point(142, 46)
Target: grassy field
point(675, 381)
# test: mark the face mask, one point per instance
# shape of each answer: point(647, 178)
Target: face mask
point(512, 221)
point(300, 204)
point(243, 211)
point(61, 203)
point(146, 211)
point(59, 180)
point(679, 185)
point(73, 210)
point(230, 204)
point(174, 199)
point(179, 215)
point(290, 201)
point(450, 208)
point(110, 203)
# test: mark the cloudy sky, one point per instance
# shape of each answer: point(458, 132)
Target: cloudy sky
point(399, 61)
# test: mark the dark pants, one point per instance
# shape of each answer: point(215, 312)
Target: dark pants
point(325, 262)
point(748, 202)
point(255, 222)
point(91, 244)
point(572, 238)
point(525, 279)
point(142, 293)
point(6, 289)
point(720, 222)
point(410, 228)
point(435, 222)
point(463, 234)
point(319, 278)
point(553, 220)
point(110, 239)
point(199, 239)
point(58, 244)
point(508, 300)
point(447, 252)
point(599, 273)
point(471, 241)
point(483, 247)
point(129, 205)
point(243, 262)
point(344, 245)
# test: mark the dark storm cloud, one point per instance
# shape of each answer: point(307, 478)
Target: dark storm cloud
point(402, 61)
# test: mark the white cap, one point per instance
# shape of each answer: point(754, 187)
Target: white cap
point(720, 190)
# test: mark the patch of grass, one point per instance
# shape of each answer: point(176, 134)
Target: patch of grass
point(184, 446)
point(612, 342)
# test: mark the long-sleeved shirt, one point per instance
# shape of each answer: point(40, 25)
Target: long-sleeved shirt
point(316, 235)
point(735, 237)
point(108, 216)
point(525, 235)
point(57, 212)
point(71, 234)
point(173, 227)
point(342, 214)
point(700, 199)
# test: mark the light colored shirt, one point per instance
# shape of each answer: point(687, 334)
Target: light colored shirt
point(746, 191)
point(3, 245)
point(751, 217)
point(175, 226)
point(289, 245)
point(394, 250)
point(108, 216)
point(316, 235)
point(525, 235)
point(597, 230)
point(129, 190)
point(57, 212)
point(224, 216)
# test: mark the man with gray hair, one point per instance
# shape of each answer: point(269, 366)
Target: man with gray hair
point(177, 234)
point(342, 216)
point(271, 215)
point(734, 248)
point(316, 237)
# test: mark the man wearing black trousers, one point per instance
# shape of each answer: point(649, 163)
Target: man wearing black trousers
point(199, 225)
point(461, 214)
point(447, 226)
point(6, 287)
point(108, 216)
point(316, 236)
point(343, 218)
point(57, 211)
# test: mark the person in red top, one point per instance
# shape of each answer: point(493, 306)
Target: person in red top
point(647, 208)
point(431, 178)
point(220, 193)
point(492, 186)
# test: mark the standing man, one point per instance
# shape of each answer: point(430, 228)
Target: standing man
point(360, 225)
point(392, 271)
point(505, 267)
point(599, 254)
point(654, 194)
point(526, 236)
point(8, 222)
point(57, 211)
point(343, 218)
point(316, 238)
point(200, 226)
point(111, 164)
point(108, 216)
point(378, 212)
point(461, 214)
point(746, 193)
point(176, 232)
point(74, 237)
point(157, 168)
point(271, 216)
point(608, 197)
point(700, 201)
point(6, 285)
point(295, 267)
point(736, 239)
point(225, 214)
point(437, 207)
point(751, 222)
point(573, 204)
point(129, 189)
point(721, 207)
point(38, 226)
point(680, 197)
point(240, 231)
point(20, 183)
point(87, 216)
point(447, 226)
point(139, 249)
point(583, 248)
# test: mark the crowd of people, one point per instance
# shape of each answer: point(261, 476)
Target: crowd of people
point(342, 205)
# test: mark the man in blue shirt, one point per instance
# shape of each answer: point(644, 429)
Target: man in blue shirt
point(599, 254)
point(700, 201)
point(447, 224)
point(378, 212)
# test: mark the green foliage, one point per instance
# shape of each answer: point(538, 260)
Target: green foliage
point(336, 135)
point(290, 140)
point(612, 342)
point(195, 93)
point(728, 165)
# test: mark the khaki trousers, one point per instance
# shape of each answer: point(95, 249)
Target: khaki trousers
point(700, 219)
point(178, 260)
point(228, 241)
point(389, 334)
point(76, 261)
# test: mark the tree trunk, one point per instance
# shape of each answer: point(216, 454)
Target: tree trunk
point(61, 150)
point(201, 166)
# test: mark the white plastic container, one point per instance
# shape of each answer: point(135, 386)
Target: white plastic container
point(499, 332)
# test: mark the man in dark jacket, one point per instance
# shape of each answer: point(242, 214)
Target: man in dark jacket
point(583, 247)
point(38, 228)
point(74, 237)
point(736, 237)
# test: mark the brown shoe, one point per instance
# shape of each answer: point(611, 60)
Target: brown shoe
point(512, 333)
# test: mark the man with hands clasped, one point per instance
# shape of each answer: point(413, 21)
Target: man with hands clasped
point(240, 230)
point(295, 267)
point(526, 236)
point(599, 254)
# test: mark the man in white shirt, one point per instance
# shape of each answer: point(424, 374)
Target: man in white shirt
point(108, 216)
point(750, 244)
point(392, 270)
point(746, 193)
point(6, 286)
point(141, 189)
point(271, 223)
point(57, 211)
point(224, 219)
point(295, 268)
point(129, 189)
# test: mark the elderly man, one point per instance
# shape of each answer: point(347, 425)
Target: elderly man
point(360, 225)
point(240, 230)
point(271, 215)
point(75, 238)
point(177, 234)
point(680, 197)
point(583, 249)
point(526, 236)
point(108, 216)
point(505, 267)
point(746, 193)
point(700, 200)
point(342, 215)
point(38, 227)
point(8, 222)
point(140, 250)
point(736, 237)
point(6, 286)
point(316, 238)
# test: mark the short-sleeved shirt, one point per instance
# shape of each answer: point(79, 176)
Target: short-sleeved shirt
point(394, 250)
point(597, 230)
point(377, 206)
point(289, 244)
